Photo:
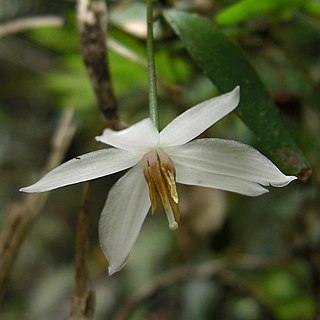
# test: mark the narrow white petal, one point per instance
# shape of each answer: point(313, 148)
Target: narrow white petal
point(142, 136)
point(86, 167)
point(197, 119)
point(193, 176)
point(122, 217)
point(230, 158)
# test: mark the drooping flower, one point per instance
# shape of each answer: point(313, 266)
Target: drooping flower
point(157, 162)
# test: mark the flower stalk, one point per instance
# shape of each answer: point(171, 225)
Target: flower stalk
point(153, 104)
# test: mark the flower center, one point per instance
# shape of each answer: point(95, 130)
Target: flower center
point(160, 174)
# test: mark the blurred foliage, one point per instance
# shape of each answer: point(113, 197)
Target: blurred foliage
point(246, 9)
point(42, 73)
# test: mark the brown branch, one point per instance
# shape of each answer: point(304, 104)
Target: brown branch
point(237, 285)
point(205, 270)
point(21, 215)
point(19, 25)
point(92, 25)
point(83, 300)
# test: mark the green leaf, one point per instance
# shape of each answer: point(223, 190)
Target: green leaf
point(313, 8)
point(245, 9)
point(226, 66)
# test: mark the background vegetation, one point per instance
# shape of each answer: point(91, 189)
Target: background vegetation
point(233, 257)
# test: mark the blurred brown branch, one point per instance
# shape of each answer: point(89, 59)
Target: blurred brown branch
point(83, 300)
point(216, 267)
point(23, 24)
point(21, 215)
point(233, 282)
point(92, 25)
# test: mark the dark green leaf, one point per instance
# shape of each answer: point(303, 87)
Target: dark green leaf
point(227, 67)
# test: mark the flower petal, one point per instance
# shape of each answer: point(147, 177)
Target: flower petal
point(122, 217)
point(188, 174)
point(230, 158)
point(199, 118)
point(86, 167)
point(140, 136)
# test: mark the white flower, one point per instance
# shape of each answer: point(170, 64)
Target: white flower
point(158, 160)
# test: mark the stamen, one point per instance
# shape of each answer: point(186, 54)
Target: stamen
point(160, 175)
point(152, 195)
point(171, 183)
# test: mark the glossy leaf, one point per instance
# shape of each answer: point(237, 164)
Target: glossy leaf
point(226, 66)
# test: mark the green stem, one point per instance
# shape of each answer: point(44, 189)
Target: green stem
point(153, 105)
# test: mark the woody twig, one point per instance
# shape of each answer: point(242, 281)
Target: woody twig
point(92, 25)
point(21, 215)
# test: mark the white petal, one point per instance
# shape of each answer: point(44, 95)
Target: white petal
point(142, 136)
point(230, 158)
point(122, 217)
point(86, 167)
point(194, 176)
point(199, 118)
